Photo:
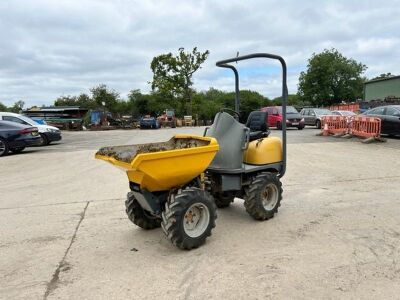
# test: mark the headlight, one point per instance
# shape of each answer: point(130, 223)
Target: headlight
point(52, 130)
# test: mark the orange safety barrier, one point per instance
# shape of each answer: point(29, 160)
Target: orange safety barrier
point(350, 107)
point(367, 127)
point(335, 124)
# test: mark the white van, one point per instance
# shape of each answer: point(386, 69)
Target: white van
point(48, 133)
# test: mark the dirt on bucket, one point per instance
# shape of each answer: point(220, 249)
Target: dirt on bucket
point(129, 152)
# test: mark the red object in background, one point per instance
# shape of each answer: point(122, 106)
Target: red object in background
point(293, 118)
point(355, 107)
point(366, 127)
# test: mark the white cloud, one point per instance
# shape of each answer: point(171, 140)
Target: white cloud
point(50, 48)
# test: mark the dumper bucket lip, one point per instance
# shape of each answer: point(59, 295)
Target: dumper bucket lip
point(135, 163)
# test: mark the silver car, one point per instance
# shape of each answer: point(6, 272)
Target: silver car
point(312, 116)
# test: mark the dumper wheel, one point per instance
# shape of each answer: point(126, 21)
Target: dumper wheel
point(263, 197)
point(139, 216)
point(223, 199)
point(189, 217)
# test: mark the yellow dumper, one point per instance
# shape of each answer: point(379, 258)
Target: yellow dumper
point(178, 184)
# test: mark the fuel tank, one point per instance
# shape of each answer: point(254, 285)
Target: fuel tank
point(263, 151)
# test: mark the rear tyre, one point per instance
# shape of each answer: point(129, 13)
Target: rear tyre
point(138, 215)
point(279, 125)
point(318, 124)
point(189, 217)
point(3, 147)
point(223, 199)
point(263, 197)
point(45, 140)
point(300, 127)
point(17, 150)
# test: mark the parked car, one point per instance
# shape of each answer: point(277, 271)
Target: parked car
point(47, 133)
point(390, 116)
point(148, 121)
point(293, 118)
point(312, 116)
point(343, 113)
point(15, 137)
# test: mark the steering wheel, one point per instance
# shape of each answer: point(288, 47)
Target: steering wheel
point(231, 111)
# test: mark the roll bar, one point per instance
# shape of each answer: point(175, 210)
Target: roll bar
point(225, 64)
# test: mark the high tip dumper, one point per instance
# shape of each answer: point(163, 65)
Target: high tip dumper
point(178, 184)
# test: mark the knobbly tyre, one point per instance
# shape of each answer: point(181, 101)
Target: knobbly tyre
point(179, 184)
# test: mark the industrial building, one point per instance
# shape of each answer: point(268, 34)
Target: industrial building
point(383, 89)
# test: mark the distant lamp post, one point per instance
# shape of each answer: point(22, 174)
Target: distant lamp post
point(104, 112)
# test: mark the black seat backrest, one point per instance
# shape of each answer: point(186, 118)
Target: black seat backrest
point(257, 121)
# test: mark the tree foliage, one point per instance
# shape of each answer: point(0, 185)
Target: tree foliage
point(384, 75)
point(3, 107)
point(331, 78)
point(172, 75)
point(17, 107)
point(83, 100)
point(104, 97)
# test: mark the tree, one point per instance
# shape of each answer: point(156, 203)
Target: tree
point(103, 96)
point(331, 78)
point(82, 100)
point(384, 75)
point(172, 75)
point(17, 107)
point(3, 107)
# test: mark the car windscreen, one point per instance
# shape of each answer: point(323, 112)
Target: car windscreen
point(347, 113)
point(27, 120)
point(320, 111)
point(289, 110)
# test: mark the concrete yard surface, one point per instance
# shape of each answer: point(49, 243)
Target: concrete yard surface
point(64, 233)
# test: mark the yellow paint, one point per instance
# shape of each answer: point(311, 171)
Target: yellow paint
point(263, 151)
point(161, 171)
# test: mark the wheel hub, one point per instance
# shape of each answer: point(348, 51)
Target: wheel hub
point(270, 196)
point(196, 220)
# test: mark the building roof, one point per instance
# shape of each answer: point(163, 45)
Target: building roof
point(382, 79)
point(57, 108)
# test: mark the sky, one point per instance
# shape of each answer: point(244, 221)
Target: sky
point(54, 48)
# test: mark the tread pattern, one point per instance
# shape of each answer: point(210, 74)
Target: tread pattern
point(253, 201)
point(138, 216)
point(172, 217)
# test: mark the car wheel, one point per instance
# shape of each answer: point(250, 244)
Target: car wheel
point(279, 126)
point(3, 147)
point(45, 140)
point(17, 150)
point(318, 124)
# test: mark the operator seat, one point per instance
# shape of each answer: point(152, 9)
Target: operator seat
point(257, 123)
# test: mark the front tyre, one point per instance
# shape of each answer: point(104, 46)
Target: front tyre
point(318, 124)
point(3, 147)
point(189, 217)
point(138, 215)
point(45, 140)
point(263, 197)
